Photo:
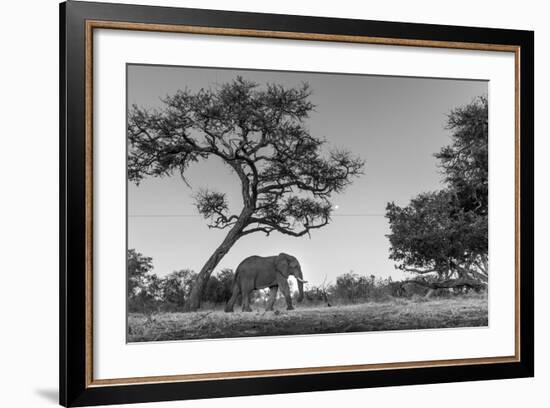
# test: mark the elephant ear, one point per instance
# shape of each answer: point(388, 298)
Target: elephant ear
point(281, 264)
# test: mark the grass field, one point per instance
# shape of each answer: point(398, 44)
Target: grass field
point(397, 314)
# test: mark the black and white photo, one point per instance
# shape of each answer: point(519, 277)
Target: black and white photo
point(265, 203)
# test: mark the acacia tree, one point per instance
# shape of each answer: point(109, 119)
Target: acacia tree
point(446, 231)
point(259, 132)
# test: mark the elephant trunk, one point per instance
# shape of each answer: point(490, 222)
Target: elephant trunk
point(301, 281)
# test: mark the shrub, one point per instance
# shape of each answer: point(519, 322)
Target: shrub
point(148, 293)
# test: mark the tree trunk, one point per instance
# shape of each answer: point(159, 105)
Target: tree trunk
point(199, 286)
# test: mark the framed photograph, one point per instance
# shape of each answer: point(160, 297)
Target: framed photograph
point(257, 204)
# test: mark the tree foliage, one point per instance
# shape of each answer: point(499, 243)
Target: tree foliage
point(434, 234)
point(177, 286)
point(465, 162)
point(147, 292)
point(261, 135)
point(446, 232)
point(138, 267)
point(259, 132)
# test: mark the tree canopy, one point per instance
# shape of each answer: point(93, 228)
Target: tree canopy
point(139, 267)
point(465, 162)
point(446, 232)
point(260, 133)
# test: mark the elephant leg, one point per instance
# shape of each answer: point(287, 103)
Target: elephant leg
point(246, 301)
point(234, 296)
point(286, 292)
point(272, 297)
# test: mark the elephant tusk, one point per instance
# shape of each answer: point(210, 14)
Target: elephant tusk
point(300, 280)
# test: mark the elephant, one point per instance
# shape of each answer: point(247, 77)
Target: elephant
point(259, 272)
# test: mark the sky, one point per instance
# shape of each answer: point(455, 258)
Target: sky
point(395, 124)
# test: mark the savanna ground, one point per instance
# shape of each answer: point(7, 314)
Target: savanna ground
point(394, 314)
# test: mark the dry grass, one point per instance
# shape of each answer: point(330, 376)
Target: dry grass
point(397, 314)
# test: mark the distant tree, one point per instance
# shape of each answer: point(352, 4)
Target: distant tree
point(139, 267)
point(147, 291)
point(144, 287)
point(214, 291)
point(286, 181)
point(155, 288)
point(446, 232)
point(347, 286)
point(177, 286)
point(353, 287)
point(225, 277)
